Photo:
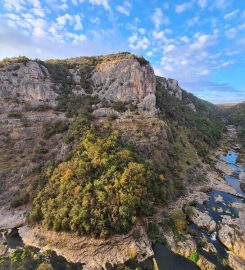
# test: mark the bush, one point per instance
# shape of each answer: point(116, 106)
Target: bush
point(20, 199)
point(15, 114)
point(112, 117)
point(179, 220)
point(52, 128)
point(194, 257)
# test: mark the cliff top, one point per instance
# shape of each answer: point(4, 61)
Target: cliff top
point(83, 60)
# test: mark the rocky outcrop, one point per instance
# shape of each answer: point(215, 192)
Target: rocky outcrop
point(224, 167)
point(104, 112)
point(192, 107)
point(204, 264)
point(24, 84)
point(233, 238)
point(203, 220)
point(94, 253)
point(171, 86)
point(124, 80)
point(235, 262)
point(185, 248)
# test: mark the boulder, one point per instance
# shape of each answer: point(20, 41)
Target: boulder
point(204, 264)
point(235, 262)
point(104, 112)
point(232, 236)
point(203, 220)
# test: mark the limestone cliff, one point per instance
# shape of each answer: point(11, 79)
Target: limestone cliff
point(125, 80)
point(171, 85)
point(25, 83)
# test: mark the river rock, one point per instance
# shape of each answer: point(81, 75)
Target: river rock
point(235, 262)
point(224, 167)
point(204, 264)
point(3, 249)
point(203, 220)
point(232, 236)
point(242, 177)
point(209, 247)
point(185, 248)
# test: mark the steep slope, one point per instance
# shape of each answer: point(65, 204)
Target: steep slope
point(97, 145)
point(236, 116)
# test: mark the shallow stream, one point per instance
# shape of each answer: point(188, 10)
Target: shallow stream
point(219, 203)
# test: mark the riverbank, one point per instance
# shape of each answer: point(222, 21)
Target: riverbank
point(209, 227)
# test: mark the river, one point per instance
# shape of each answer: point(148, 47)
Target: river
point(219, 204)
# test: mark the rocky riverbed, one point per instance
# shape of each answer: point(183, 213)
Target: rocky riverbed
point(214, 236)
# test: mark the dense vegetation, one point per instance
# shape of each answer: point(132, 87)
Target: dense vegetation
point(204, 127)
point(236, 116)
point(102, 188)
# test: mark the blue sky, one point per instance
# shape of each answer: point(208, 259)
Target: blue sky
point(201, 43)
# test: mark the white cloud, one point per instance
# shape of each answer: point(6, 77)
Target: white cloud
point(125, 8)
point(14, 5)
point(202, 3)
point(76, 38)
point(183, 7)
point(185, 39)
point(44, 47)
point(142, 31)
point(63, 20)
point(162, 36)
point(139, 43)
point(104, 3)
point(78, 22)
point(169, 48)
point(193, 21)
point(221, 4)
point(231, 15)
point(231, 33)
point(159, 18)
point(201, 41)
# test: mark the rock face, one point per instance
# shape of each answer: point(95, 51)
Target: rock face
point(171, 86)
point(204, 264)
point(94, 253)
point(125, 80)
point(235, 262)
point(203, 220)
point(25, 83)
point(233, 237)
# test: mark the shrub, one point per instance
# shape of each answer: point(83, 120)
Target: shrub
point(52, 128)
point(194, 257)
point(179, 220)
point(45, 266)
point(20, 199)
point(136, 234)
point(15, 114)
point(112, 117)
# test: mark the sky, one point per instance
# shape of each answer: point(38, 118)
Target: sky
point(201, 43)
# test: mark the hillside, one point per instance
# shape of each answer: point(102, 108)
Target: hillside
point(236, 116)
point(96, 145)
